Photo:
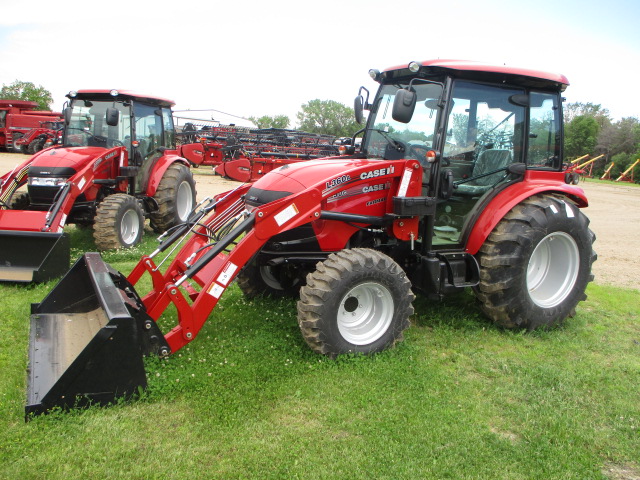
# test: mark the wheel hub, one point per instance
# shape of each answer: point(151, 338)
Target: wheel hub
point(553, 269)
point(129, 227)
point(365, 313)
point(184, 201)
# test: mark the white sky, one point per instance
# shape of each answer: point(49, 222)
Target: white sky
point(254, 58)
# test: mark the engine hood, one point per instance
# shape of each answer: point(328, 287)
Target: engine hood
point(296, 177)
point(74, 158)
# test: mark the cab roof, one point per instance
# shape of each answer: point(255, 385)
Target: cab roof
point(471, 69)
point(123, 94)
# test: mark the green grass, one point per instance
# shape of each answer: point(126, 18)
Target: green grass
point(459, 398)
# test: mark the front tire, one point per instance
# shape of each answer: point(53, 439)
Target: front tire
point(119, 222)
point(14, 147)
point(176, 197)
point(536, 264)
point(356, 301)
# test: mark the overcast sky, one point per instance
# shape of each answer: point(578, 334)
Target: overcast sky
point(254, 58)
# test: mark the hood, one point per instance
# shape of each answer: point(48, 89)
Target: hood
point(74, 158)
point(296, 177)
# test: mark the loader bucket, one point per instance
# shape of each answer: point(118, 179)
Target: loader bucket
point(87, 340)
point(33, 256)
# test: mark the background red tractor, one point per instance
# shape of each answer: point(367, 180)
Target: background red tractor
point(47, 134)
point(116, 166)
point(458, 183)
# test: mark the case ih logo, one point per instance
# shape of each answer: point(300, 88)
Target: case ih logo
point(376, 188)
point(376, 173)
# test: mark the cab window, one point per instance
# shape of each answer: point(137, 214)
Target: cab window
point(544, 132)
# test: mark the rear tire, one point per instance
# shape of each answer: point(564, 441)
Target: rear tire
point(176, 197)
point(536, 264)
point(282, 281)
point(357, 301)
point(119, 222)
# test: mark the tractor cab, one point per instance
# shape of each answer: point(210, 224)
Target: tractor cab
point(111, 118)
point(475, 134)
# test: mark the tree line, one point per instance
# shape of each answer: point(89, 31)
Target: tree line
point(589, 128)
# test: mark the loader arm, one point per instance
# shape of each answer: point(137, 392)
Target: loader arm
point(206, 276)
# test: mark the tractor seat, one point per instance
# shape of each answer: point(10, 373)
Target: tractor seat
point(488, 161)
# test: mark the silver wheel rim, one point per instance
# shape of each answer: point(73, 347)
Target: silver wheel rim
point(184, 201)
point(553, 269)
point(129, 227)
point(365, 313)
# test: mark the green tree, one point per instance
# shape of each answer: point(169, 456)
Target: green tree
point(581, 135)
point(327, 117)
point(27, 91)
point(622, 136)
point(267, 121)
point(579, 109)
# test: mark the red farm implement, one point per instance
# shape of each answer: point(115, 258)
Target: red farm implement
point(247, 154)
point(17, 118)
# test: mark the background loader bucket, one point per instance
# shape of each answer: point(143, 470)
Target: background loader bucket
point(33, 256)
point(87, 340)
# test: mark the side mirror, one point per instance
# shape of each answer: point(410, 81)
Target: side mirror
point(404, 105)
point(112, 116)
point(358, 107)
point(67, 115)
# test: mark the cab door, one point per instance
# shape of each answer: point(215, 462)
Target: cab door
point(484, 135)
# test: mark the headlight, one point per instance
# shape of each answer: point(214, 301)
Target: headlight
point(47, 181)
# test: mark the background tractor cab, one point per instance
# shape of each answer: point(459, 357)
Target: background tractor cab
point(141, 124)
point(115, 167)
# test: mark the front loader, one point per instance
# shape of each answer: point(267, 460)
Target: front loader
point(116, 166)
point(457, 183)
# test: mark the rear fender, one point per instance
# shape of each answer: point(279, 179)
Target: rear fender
point(158, 170)
point(507, 199)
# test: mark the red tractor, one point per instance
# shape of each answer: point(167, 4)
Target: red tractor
point(47, 134)
point(116, 166)
point(457, 183)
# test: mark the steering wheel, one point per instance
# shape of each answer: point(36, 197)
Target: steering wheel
point(114, 142)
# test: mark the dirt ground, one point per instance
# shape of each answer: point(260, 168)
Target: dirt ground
point(614, 211)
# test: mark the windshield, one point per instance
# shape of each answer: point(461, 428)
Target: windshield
point(88, 126)
point(387, 138)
